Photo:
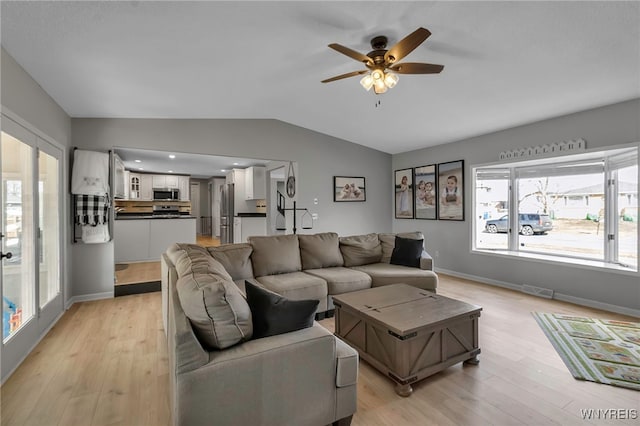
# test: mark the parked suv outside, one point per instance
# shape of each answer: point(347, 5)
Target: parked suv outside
point(530, 223)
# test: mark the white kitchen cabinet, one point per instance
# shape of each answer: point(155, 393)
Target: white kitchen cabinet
point(165, 181)
point(138, 240)
point(184, 188)
point(251, 226)
point(134, 186)
point(255, 184)
point(146, 187)
point(171, 181)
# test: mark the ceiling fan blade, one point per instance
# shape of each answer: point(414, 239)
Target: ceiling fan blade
point(351, 53)
point(416, 68)
point(406, 45)
point(347, 75)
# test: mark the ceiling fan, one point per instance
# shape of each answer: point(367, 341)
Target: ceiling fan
point(382, 64)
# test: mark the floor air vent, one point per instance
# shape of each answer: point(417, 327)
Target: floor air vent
point(547, 293)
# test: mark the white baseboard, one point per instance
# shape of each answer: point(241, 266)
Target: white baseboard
point(88, 297)
point(556, 296)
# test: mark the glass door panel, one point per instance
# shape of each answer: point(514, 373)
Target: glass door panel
point(18, 272)
point(49, 239)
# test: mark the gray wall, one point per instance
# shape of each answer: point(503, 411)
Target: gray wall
point(22, 96)
point(601, 127)
point(319, 158)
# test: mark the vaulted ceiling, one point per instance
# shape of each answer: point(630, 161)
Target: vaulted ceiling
point(506, 63)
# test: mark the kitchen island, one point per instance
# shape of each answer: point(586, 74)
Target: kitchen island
point(139, 238)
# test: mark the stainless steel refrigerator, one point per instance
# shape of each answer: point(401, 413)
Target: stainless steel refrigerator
point(226, 213)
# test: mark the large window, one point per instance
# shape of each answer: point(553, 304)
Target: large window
point(582, 206)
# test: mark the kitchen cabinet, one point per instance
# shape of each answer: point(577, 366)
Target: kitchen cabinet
point(146, 187)
point(183, 186)
point(164, 181)
point(134, 186)
point(247, 227)
point(119, 178)
point(138, 240)
point(255, 184)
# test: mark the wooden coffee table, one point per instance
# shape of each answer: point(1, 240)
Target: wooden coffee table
point(408, 333)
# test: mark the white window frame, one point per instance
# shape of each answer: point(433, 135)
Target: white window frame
point(516, 169)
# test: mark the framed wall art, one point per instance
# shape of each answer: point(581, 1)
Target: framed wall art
point(426, 199)
point(403, 188)
point(349, 188)
point(451, 190)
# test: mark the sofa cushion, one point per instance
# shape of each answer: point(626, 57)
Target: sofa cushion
point(193, 259)
point(275, 254)
point(297, 286)
point(342, 280)
point(320, 250)
point(407, 252)
point(360, 249)
point(384, 274)
point(388, 242)
point(236, 259)
point(219, 314)
point(273, 314)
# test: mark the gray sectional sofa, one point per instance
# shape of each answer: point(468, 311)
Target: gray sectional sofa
point(220, 375)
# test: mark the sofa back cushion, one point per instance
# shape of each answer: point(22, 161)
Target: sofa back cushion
point(236, 259)
point(320, 250)
point(193, 259)
point(275, 254)
point(388, 241)
point(218, 312)
point(360, 249)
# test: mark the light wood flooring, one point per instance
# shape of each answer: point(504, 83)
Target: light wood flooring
point(105, 363)
point(145, 272)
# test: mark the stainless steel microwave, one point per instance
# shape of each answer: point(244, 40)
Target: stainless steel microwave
point(166, 194)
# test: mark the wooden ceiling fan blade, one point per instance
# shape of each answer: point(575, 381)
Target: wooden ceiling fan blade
point(351, 53)
point(406, 45)
point(347, 75)
point(416, 68)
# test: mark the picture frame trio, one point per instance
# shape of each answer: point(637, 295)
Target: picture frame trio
point(430, 192)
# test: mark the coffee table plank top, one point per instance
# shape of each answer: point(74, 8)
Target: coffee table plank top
point(404, 309)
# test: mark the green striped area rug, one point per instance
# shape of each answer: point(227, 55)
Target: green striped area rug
point(598, 350)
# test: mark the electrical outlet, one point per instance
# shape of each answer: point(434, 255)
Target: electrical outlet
point(315, 201)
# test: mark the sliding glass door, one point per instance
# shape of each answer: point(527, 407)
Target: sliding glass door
point(30, 204)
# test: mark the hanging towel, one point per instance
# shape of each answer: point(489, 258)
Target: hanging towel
point(90, 174)
point(95, 234)
point(92, 210)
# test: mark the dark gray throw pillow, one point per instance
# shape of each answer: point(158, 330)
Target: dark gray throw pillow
point(407, 252)
point(273, 314)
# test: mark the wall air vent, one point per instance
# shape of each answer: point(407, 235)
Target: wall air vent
point(547, 293)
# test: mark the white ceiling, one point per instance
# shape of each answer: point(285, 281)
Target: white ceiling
point(506, 63)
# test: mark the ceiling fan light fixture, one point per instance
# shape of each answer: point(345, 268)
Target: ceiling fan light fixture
point(379, 87)
point(377, 75)
point(367, 82)
point(391, 79)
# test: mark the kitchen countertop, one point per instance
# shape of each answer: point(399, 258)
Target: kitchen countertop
point(252, 214)
point(149, 216)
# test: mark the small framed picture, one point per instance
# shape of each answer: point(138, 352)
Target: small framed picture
point(348, 189)
point(451, 190)
point(403, 188)
point(426, 192)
